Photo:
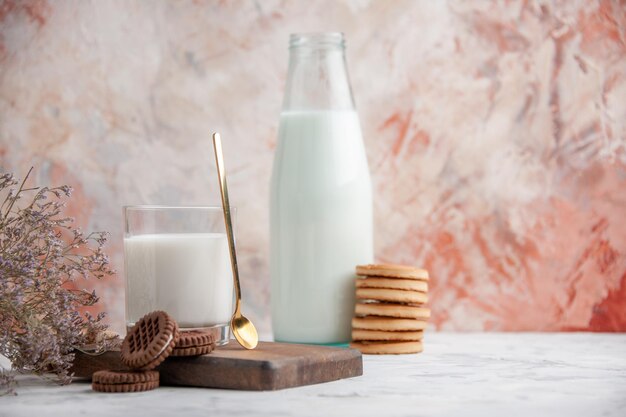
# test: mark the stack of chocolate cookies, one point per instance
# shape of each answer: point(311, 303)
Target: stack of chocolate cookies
point(153, 339)
point(390, 314)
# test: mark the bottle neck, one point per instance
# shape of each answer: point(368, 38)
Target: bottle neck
point(317, 78)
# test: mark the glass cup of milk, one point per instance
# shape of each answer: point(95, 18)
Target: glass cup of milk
point(177, 260)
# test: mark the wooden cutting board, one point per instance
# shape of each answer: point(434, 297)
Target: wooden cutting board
point(271, 366)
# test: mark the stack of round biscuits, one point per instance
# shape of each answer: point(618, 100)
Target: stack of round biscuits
point(153, 339)
point(390, 316)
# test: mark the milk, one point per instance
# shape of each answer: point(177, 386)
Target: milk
point(321, 224)
point(187, 275)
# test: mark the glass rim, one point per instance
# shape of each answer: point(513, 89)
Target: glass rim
point(170, 207)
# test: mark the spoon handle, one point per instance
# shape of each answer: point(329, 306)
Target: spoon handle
point(221, 174)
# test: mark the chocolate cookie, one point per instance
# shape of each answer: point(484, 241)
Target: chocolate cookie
point(150, 341)
point(124, 381)
point(194, 343)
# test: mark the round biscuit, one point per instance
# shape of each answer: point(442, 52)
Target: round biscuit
point(193, 351)
point(372, 335)
point(124, 377)
point(150, 341)
point(132, 387)
point(383, 348)
point(386, 294)
point(392, 310)
point(193, 338)
point(394, 271)
point(392, 283)
point(387, 323)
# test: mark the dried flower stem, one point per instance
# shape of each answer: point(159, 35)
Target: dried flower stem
point(41, 255)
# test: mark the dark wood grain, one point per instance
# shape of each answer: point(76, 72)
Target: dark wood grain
point(271, 366)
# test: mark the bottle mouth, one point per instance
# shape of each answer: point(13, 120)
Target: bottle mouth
point(317, 40)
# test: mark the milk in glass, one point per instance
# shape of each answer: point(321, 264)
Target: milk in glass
point(185, 274)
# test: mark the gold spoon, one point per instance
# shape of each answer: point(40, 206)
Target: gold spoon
point(242, 328)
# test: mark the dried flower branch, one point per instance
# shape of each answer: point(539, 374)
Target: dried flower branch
point(40, 256)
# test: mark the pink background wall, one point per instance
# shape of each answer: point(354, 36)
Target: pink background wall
point(496, 135)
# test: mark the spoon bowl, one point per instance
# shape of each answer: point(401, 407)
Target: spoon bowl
point(244, 331)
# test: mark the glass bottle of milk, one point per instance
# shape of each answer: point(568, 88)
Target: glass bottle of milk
point(321, 197)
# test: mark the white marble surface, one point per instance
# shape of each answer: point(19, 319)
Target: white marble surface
point(470, 374)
